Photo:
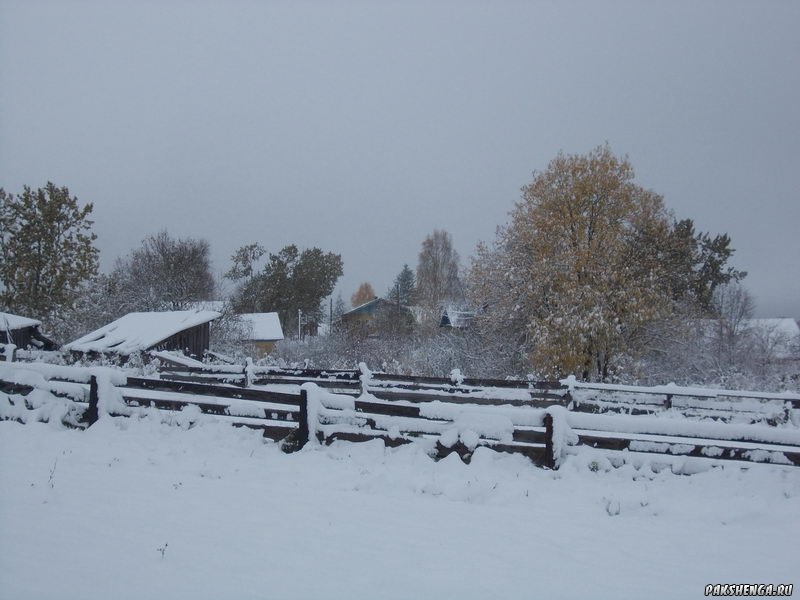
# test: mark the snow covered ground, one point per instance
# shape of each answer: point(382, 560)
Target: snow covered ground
point(138, 509)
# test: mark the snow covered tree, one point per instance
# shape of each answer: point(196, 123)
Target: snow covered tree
point(363, 294)
point(165, 273)
point(404, 287)
point(568, 278)
point(99, 302)
point(46, 250)
point(437, 271)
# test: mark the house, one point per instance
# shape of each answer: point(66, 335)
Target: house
point(23, 332)
point(377, 316)
point(456, 319)
point(182, 330)
point(265, 331)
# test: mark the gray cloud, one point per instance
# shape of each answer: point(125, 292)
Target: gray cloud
point(362, 126)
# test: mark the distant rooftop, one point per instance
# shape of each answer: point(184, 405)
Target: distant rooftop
point(266, 326)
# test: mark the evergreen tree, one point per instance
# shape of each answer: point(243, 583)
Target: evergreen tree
point(46, 250)
point(339, 308)
point(404, 287)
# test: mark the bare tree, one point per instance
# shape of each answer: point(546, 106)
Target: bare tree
point(437, 272)
point(165, 273)
point(733, 306)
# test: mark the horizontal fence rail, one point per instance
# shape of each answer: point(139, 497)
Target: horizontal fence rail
point(545, 421)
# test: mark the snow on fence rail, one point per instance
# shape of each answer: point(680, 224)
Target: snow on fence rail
point(545, 435)
point(90, 393)
point(701, 403)
point(543, 432)
point(694, 403)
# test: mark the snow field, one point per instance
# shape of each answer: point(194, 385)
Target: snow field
point(83, 514)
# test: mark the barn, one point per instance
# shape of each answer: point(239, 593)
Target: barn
point(264, 331)
point(23, 332)
point(186, 331)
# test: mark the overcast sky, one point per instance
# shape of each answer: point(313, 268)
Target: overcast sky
point(360, 127)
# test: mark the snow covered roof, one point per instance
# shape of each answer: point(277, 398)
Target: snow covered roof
point(365, 307)
point(458, 319)
point(371, 307)
point(266, 326)
point(140, 331)
point(13, 322)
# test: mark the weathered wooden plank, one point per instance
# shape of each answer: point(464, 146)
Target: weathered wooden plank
point(365, 436)
point(465, 390)
point(327, 374)
point(228, 378)
point(537, 454)
point(205, 389)
point(8, 387)
point(723, 451)
point(421, 380)
point(91, 415)
point(323, 383)
point(409, 396)
point(598, 409)
point(209, 408)
point(395, 410)
point(530, 436)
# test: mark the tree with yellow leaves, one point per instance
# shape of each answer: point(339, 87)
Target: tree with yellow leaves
point(568, 279)
point(363, 294)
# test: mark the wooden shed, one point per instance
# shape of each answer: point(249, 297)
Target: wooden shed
point(264, 331)
point(23, 332)
point(182, 330)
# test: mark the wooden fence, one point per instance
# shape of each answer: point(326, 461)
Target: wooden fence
point(697, 403)
point(543, 421)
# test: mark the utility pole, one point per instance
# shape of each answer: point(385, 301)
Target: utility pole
point(299, 321)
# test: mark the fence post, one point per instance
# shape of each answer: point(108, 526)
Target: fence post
point(302, 427)
point(668, 403)
point(549, 448)
point(91, 414)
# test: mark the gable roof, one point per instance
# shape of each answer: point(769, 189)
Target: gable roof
point(140, 331)
point(372, 306)
point(13, 322)
point(457, 319)
point(266, 326)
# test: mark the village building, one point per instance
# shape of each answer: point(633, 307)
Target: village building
point(185, 331)
point(377, 316)
point(23, 332)
point(456, 319)
point(264, 331)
